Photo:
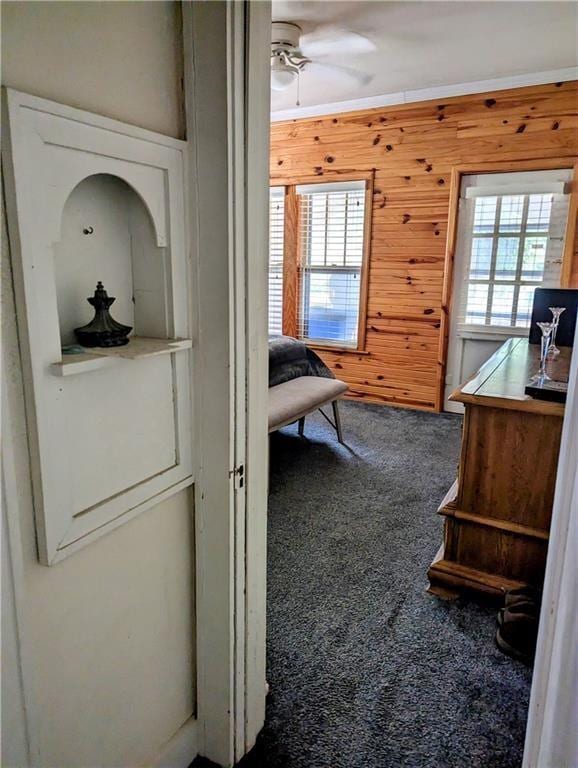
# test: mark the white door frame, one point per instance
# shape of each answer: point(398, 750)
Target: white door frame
point(486, 340)
point(226, 47)
point(257, 351)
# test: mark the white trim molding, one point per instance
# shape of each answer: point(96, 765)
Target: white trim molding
point(427, 94)
point(178, 751)
point(257, 362)
point(227, 107)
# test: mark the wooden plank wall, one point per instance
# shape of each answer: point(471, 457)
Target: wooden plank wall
point(413, 149)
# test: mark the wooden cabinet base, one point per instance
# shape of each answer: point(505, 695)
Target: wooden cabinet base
point(448, 580)
point(497, 514)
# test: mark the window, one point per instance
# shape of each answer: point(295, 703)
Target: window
point(513, 245)
point(317, 267)
point(331, 257)
point(276, 241)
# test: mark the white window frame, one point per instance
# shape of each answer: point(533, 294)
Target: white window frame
point(490, 185)
point(276, 193)
point(354, 184)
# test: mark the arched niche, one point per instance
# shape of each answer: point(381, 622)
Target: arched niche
point(107, 234)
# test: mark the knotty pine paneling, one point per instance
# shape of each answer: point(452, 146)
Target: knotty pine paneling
point(412, 150)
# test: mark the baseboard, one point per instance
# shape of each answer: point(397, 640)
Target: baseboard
point(451, 407)
point(180, 750)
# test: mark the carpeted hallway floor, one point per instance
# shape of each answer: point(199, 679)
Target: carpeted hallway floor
point(366, 670)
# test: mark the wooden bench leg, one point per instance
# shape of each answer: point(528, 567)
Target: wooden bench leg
point(337, 420)
point(301, 426)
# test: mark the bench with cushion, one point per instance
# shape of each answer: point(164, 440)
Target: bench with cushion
point(293, 400)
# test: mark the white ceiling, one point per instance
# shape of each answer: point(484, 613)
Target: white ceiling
point(424, 44)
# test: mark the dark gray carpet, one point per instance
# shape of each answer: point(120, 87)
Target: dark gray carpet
point(366, 670)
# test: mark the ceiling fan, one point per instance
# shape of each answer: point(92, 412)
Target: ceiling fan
point(293, 52)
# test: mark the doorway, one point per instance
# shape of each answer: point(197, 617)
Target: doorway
point(510, 240)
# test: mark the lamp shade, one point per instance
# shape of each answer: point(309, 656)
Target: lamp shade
point(282, 76)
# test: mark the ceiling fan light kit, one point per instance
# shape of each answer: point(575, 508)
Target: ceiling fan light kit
point(282, 75)
point(292, 53)
point(286, 60)
point(285, 34)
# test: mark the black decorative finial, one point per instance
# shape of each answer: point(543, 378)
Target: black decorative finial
point(102, 331)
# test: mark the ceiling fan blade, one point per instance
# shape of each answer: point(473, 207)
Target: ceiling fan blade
point(334, 41)
point(334, 71)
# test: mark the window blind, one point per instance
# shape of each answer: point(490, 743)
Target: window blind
point(513, 243)
point(331, 243)
point(276, 244)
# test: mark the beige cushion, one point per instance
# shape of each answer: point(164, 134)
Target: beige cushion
point(296, 398)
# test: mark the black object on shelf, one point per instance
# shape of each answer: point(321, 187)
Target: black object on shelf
point(544, 298)
point(103, 330)
point(554, 391)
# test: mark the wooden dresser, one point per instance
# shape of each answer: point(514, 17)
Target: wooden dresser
point(497, 513)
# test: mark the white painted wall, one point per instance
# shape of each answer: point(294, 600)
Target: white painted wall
point(14, 750)
point(120, 59)
point(108, 657)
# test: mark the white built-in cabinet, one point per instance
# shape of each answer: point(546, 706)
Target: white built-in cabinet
point(92, 199)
